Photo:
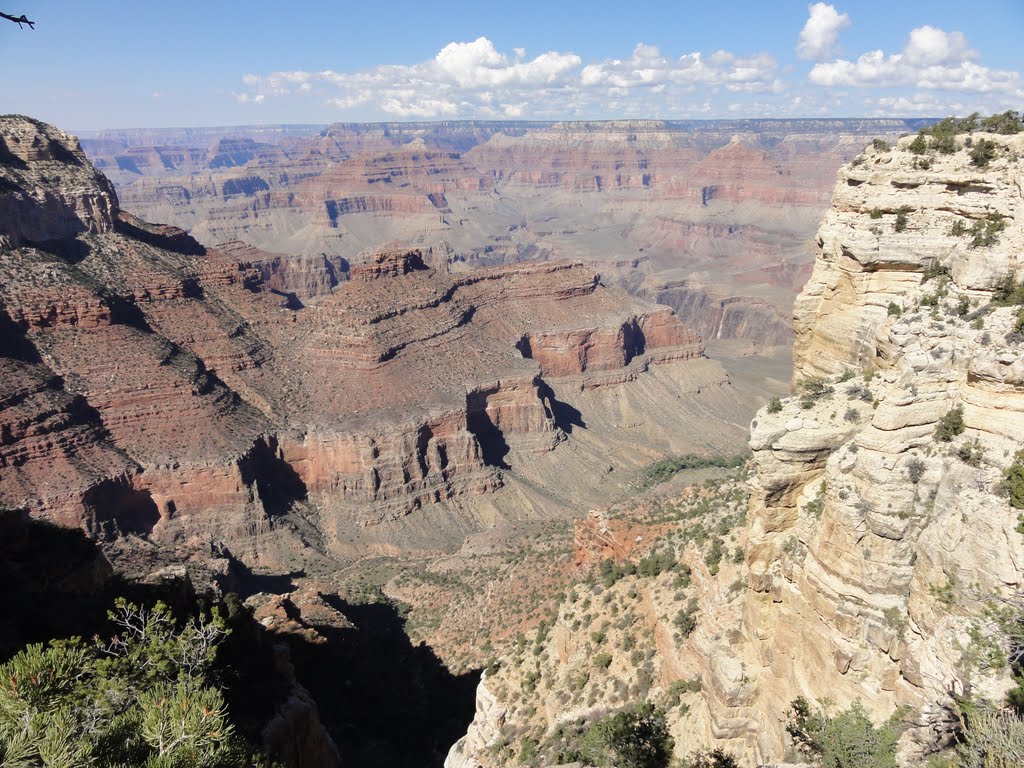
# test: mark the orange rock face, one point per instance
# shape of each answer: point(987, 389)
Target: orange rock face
point(730, 207)
point(155, 387)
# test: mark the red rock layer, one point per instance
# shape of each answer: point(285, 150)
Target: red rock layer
point(195, 402)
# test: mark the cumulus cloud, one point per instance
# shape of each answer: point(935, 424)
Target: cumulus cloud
point(820, 34)
point(647, 68)
point(475, 79)
point(931, 59)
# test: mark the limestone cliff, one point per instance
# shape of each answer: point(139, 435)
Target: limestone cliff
point(877, 526)
point(859, 516)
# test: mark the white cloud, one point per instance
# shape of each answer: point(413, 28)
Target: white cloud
point(467, 79)
point(649, 69)
point(932, 59)
point(820, 34)
point(929, 46)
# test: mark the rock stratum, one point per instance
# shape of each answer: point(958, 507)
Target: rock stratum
point(876, 528)
point(158, 391)
point(714, 218)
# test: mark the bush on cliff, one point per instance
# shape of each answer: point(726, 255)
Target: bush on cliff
point(846, 740)
point(143, 696)
point(983, 153)
point(633, 738)
point(950, 425)
point(1013, 481)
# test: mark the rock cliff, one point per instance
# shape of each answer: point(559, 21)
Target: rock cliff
point(877, 525)
point(728, 207)
point(159, 389)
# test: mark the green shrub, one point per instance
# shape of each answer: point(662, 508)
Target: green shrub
point(686, 620)
point(1007, 292)
point(657, 563)
point(814, 389)
point(144, 696)
point(900, 224)
point(950, 425)
point(985, 232)
point(919, 145)
point(880, 145)
point(713, 758)
point(846, 740)
point(934, 269)
point(876, 213)
point(774, 405)
point(603, 660)
point(894, 310)
point(992, 739)
point(1013, 481)
point(1006, 123)
point(971, 452)
point(633, 738)
point(662, 470)
point(983, 153)
point(959, 229)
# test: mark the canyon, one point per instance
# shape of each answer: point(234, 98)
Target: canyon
point(163, 391)
point(714, 218)
point(423, 380)
point(858, 557)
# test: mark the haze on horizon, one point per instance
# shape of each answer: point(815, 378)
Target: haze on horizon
point(110, 64)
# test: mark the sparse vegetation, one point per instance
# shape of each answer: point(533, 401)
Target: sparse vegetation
point(714, 758)
point(934, 270)
point(774, 405)
point(686, 619)
point(950, 425)
point(1013, 481)
point(846, 740)
point(971, 452)
point(666, 468)
point(880, 145)
point(900, 225)
point(1006, 123)
point(814, 389)
point(915, 470)
point(985, 232)
point(982, 153)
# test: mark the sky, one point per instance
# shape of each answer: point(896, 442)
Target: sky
point(104, 64)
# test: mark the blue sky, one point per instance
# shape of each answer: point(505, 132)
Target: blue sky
point(103, 64)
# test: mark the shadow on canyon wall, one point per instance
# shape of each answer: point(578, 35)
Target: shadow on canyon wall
point(385, 701)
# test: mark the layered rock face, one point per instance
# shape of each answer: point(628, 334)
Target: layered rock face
point(859, 516)
point(76, 199)
point(727, 207)
point(158, 388)
point(877, 525)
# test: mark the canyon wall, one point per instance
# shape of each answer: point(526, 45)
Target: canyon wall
point(728, 208)
point(185, 395)
point(877, 526)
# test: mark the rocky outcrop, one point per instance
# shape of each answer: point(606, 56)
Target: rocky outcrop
point(51, 193)
point(862, 541)
point(186, 394)
point(873, 538)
